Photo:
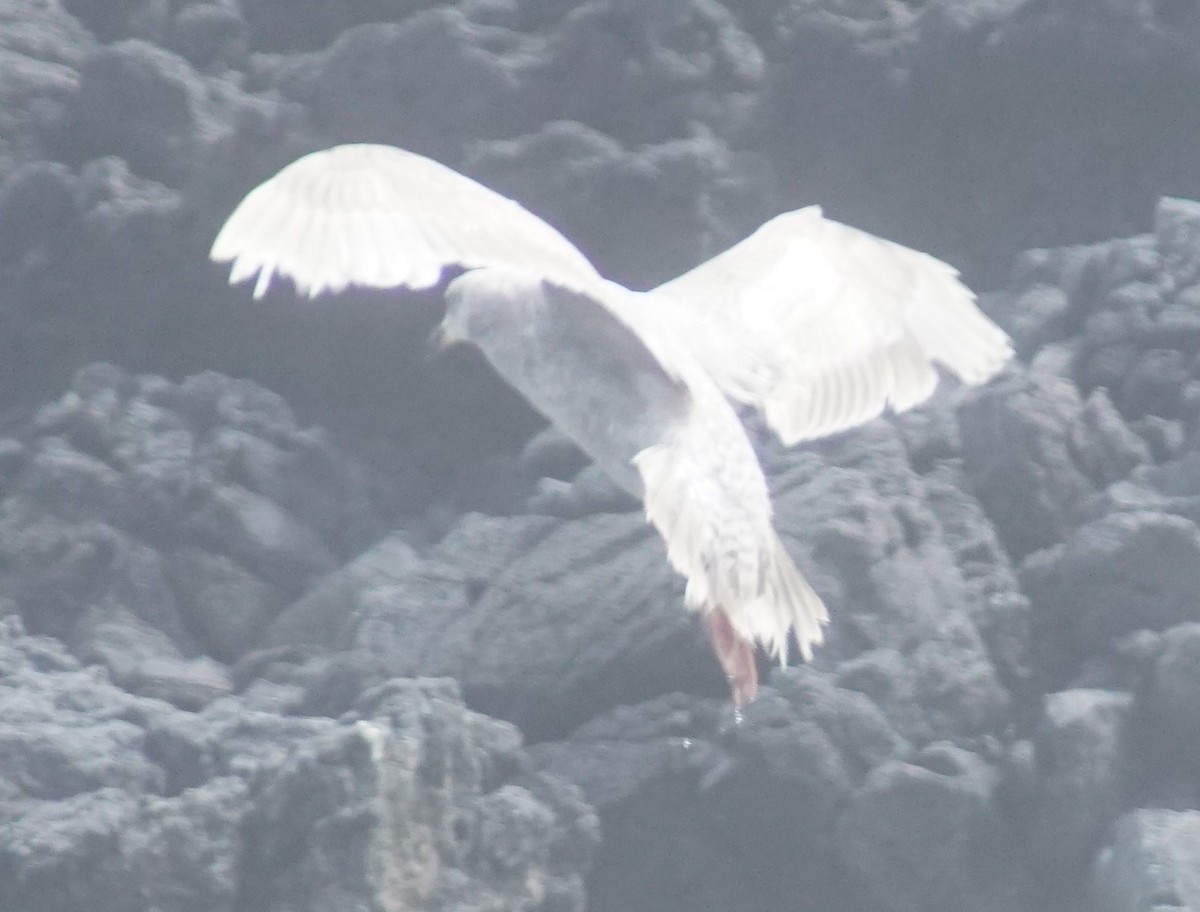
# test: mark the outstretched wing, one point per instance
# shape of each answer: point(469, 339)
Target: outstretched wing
point(381, 217)
point(821, 326)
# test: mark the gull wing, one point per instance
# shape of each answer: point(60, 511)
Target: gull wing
point(382, 217)
point(821, 326)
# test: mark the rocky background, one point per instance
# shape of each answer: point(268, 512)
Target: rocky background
point(293, 618)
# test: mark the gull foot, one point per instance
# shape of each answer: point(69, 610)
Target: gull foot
point(736, 656)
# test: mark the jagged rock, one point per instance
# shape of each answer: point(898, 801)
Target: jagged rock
point(1154, 384)
point(437, 79)
point(995, 603)
point(924, 834)
point(144, 660)
point(209, 35)
point(1173, 487)
point(41, 50)
point(863, 95)
point(1105, 448)
point(135, 510)
point(116, 802)
point(551, 454)
point(138, 102)
point(37, 203)
point(1019, 458)
point(168, 505)
point(391, 809)
point(700, 812)
point(690, 197)
point(533, 616)
point(1177, 238)
point(1117, 574)
point(647, 73)
point(945, 686)
point(256, 532)
point(226, 604)
point(1038, 315)
point(1151, 864)
point(312, 24)
point(1084, 758)
point(872, 544)
point(1175, 690)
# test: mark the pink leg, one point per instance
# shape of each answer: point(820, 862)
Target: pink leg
point(736, 656)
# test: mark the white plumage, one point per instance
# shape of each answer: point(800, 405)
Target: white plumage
point(817, 325)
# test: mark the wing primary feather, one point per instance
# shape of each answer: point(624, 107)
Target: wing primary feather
point(264, 282)
point(359, 198)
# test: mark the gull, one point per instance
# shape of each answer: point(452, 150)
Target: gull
point(816, 325)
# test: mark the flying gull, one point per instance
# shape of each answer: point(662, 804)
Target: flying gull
point(816, 325)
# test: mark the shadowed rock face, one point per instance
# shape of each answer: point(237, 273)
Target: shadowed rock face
point(218, 620)
point(116, 801)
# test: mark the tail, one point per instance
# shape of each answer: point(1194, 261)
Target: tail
point(787, 602)
point(713, 511)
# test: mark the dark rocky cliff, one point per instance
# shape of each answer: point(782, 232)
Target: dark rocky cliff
point(293, 618)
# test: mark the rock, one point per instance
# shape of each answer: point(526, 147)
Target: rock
point(37, 205)
point(946, 686)
point(61, 854)
point(530, 614)
point(691, 197)
point(1176, 233)
point(1117, 574)
point(119, 802)
point(227, 605)
point(64, 733)
point(923, 835)
point(144, 660)
point(107, 19)
point(698, 812)
point(1018, 456)
point(1175, 689)
point(343, 823)
point(167, 502)
point(41, 50)
point(138, 102)
point(551, 454)
point(209, 35)
point(869, 538)
point(312, 24)
point(122, 217)
point(257, 532)
point(995, 603)
point(1039, 314)
point(109, 850)
point(1163, 436)
point(648, 73)
point(1154, 385)
point(186, 849)
point(59, 568)
point(1173, 487)
point(1105, 448)
point(1084, 758)
point(1151, 863)
point(436, 78)
point(325, 615)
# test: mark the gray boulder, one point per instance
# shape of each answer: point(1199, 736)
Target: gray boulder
point(117, 802)
point(1151, 864)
